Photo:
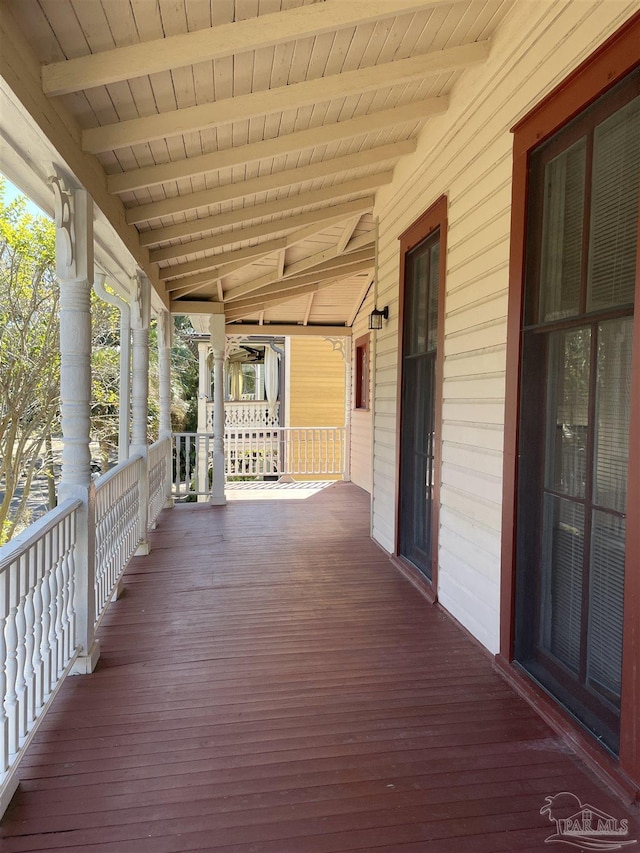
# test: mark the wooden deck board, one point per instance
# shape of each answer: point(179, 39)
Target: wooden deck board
point(270, 683)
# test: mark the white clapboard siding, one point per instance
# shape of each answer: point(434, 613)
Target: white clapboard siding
point(467, 156)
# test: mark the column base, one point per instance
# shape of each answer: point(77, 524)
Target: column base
point(117, 592)
point(217, 500)
point(169, 504)
point(85, 664)
point(143, 549)
point(8, 789)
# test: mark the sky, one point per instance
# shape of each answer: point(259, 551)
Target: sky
point(11, 192)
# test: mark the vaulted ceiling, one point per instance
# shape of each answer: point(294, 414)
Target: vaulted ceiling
point(243, 141)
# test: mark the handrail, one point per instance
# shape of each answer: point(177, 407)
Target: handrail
point(35, 531)
point(117, 527)
point(104, 479)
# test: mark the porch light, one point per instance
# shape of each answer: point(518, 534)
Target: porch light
point(376, 317)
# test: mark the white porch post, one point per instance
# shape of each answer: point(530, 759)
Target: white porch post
point(140, 315)
point(124, 390)
point(74, 270)
point(204, 389)
point(348, 396)
point(218, 342)
point(165, 329)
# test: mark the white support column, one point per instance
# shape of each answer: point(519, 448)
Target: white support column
point(140, 315)
point(165, 330)
point(348, 396)
point(204, 390)
point(74, 270)
point(218, 341)
point(124, 390)
point(344, 347)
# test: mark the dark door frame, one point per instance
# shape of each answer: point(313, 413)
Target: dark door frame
point(433, 218)
point(617, 57)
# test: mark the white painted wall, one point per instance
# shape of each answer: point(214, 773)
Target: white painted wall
point(466, 154)
point(361, 420)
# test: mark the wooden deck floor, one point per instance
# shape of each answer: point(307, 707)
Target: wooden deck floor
point(270, 684)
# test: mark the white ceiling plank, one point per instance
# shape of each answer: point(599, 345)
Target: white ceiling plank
point(313, 221)
point(279, 146)
point(276, 180)
point(178, 122)
point(257, 211)
point(179, 51)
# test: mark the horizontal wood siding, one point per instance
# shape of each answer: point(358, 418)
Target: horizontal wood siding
point(467, 156)
point(316, 387)
point(361, 420)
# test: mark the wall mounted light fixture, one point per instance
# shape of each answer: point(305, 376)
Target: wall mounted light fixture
point(377, 316)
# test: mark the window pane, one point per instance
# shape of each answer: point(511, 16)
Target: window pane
point(563, 544)
point(614, 209)
point(434, 278)
point(561, 260)
point(613, 401)
point(568, 411)
point(417, 320)
point(606, 599)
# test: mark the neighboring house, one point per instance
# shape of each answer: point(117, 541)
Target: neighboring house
point(491, 413)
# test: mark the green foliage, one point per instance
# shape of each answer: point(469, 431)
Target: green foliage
point(29, 350)
point(184, 378)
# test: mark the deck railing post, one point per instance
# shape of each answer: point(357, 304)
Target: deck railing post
point(74, 270)
point(204, 390)
point(218, 343)
point(165, 328)
point(140, 315)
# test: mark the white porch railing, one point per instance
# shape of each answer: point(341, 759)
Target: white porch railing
point(266, 452)
point(37, 630)
point(159, 466)
point(38, 585)
point(117, 524)
point(247, 413)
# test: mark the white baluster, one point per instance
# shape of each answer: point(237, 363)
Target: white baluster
point(4, 680)
point(11, 634)
point(29, 613)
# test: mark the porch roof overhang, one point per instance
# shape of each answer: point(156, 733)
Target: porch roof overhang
point(233, 157)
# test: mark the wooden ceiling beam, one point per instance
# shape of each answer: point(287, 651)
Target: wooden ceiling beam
point(249, 253)
point(279, 146)
point(239, 311)
point(272, 208)
point(179, 51)
point(271, 282)
point(288, 329)
point(220, 264)
point(123, 134)
point(266, 183)
point(315, 219)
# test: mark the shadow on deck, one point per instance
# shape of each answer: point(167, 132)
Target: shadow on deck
point(269, 682)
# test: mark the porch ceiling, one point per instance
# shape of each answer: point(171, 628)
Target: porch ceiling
point(244, 140)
